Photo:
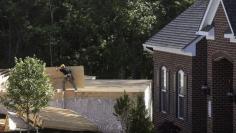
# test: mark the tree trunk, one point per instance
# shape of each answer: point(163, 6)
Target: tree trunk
point(51, 35)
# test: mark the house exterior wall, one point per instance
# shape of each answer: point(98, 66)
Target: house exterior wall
point(98, 107)
point(200, 72)
point(173, 63)
point(202, 69)
point(196, 100)
point(199, 98)
point(220, 47)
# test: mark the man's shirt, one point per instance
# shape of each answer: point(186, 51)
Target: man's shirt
point(65, 71)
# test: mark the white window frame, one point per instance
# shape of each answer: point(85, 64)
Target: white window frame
point(163, 78)
point(180, 79)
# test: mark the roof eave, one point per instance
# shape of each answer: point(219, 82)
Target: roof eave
point(188, 50)
point(168, 50)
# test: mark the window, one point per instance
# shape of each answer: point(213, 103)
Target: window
point(163, 85)
point(181, 87)
point(209, 108)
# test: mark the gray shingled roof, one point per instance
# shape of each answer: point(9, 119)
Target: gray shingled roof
point(230, 6)
point(181, 31)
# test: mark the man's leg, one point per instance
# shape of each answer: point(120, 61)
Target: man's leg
point(64, 83)
point(73, 83)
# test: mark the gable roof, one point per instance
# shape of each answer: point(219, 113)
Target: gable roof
point(230, 12)
point(182, 30)
point(230, 7)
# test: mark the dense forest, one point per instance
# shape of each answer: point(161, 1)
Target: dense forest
point(105, 36)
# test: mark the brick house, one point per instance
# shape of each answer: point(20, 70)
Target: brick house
point(194, 69)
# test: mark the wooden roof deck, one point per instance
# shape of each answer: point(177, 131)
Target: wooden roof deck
point(111, 89)
point(62, 119)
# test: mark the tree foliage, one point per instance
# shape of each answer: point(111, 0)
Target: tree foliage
point(140, 120)
point(105, 36)
point(122, 111)
point(28, 88)
point(133, 115)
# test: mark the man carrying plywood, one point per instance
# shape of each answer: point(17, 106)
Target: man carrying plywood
point(67, 76)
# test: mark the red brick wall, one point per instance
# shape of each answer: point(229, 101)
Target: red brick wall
point(173, 62)
point(199, 98)
point(222, 104)
point(196, 108)
point(220, 47)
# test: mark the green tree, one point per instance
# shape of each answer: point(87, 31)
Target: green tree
point(133, 115)
point(122, 111)
point(28, 88)
point(104, 34)
point(170, 9)
point(140, 120)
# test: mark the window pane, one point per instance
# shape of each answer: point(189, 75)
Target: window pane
point(181, 107)
point(163, 101)
point(181, 82)
point(209, 109)
point(181, 91)
point(164, 96)
point(163, 78)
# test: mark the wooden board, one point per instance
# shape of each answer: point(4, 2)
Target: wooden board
point(62, 119)
point(2, 125)
point(57, 77)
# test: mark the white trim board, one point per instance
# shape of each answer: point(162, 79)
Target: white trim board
point(211, 12)
point(189, 50)
point(166, 49)
point(230, 36)
point(233, 40)
point(210, 35)
point(172, 50)
point(146, 48)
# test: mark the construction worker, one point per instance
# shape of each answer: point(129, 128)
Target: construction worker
point(67, 76)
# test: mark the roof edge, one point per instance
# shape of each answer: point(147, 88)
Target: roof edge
point(210, 14)
point(188, 50)
point(169, 50)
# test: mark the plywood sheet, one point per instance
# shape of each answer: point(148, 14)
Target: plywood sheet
point(57, 77)
point(63, 119)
